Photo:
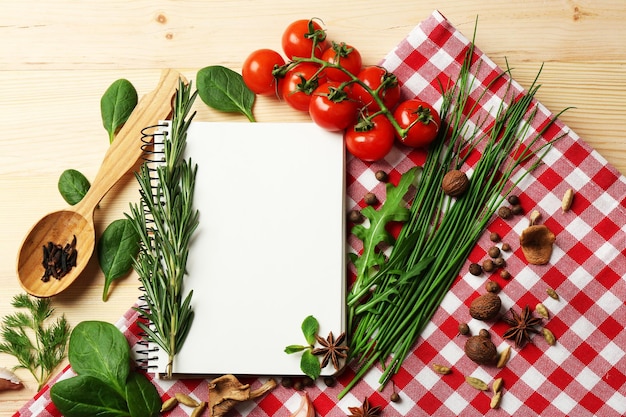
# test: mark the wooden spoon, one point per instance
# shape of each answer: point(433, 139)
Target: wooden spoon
point(61, 226)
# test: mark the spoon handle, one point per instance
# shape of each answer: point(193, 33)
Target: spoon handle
point(126, 149)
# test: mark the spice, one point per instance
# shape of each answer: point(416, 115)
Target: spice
point(542, 311)
point(366, 410)
point(185, 399)
point(503, 357)
point(494, 237)
point(499, 262)
point(535, 216)
point(169, 404)
point(332, 349)
point(330, 381)
point(505, 213)
point(504, 274)
point(495, 400)
point(536, 242)
point(225, 392)
point(356, 217)
point(455, 183)
point(58, 260)
point(381, 176)
point(481, 350)
point(464, 329)
point(549, 336)
point(522, 326)
point(488, 265)
point(506, 247)
point(475, 269)
point(497, 385)
point(440, 369)
point(517, 209)
point(370, 199)
point(568, 198)
point(485, 307)
point(492, 286)
point(513, 199)
point(552, 293)
point(9, 381)
point(484, 333)
point(197, 412)
point(494, 251)
point(477, 383)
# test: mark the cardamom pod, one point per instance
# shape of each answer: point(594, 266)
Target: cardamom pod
point(496, 387)
point(552, 293)
point(495, 400)
point(549, 336)
point(503, 358)
point(197, 412)
point(477, 383)
point(440, 369)
point(542, 311)
point(169, 404)
point(568, 198)
point(185, 399)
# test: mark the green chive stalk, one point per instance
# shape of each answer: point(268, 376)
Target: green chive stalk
point(440, 233)
point(165, 220)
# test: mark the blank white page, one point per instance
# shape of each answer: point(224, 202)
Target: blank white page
point(270, 247)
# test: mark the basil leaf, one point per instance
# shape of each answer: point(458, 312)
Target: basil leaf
point(143, 398)
point(86, 396)
point(117, 248)
point(100, 350)
point(310, 364)
point(294, 348)
point(73, 186)
point(224, 90)
point(116, 105)
point(310, 326)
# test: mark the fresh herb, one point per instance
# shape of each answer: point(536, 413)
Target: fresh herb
point(104, 385)
point(38, 347)
point(441, 231)
point(223, 89)
point(165, 220)
point(116, 105)
point(117, 248)
point(309, 364)
point(73, 186)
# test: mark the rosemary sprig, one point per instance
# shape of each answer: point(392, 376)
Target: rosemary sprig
point(165, 220)
point(440, 233)
point(38, 347)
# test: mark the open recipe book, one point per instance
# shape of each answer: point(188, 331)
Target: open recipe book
point(270, 247)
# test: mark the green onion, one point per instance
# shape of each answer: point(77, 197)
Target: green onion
point(440, 233)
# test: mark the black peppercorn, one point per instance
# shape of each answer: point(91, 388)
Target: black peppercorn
point(381, 176)
point(475, 269)
point(370, 199)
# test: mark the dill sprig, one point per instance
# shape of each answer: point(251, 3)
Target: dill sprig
point(440, 233)
point(166, 220)
point(38, 347)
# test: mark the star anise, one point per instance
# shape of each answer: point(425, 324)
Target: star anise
point(331, 349)
point(522, 325)
point(366, 410)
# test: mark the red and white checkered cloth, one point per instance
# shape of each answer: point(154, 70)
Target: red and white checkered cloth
point(584, 374)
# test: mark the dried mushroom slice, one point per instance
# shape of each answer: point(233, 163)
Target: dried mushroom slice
point(536, 242)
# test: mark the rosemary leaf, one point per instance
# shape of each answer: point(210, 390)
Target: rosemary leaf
point(165, 220)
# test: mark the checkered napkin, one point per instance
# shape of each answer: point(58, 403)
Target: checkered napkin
point(584, 374)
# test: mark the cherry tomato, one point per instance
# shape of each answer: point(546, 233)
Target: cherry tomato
point(297, 39)
point(345, 55)
point(422, 120)
point(373, 144)
point(374, 77)
point(298, 85)
point(257, 71)
point(332, 108)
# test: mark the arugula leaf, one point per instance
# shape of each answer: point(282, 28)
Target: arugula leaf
point(146, 401)
point(87, 396)
point(73, 186)
point(116, 105)
point(224, 90)
point(117, 248)
point(100, 350)
point(394, 208)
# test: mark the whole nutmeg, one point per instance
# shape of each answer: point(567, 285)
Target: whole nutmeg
point(455, 183)
point(481, 350)
point(485, 307)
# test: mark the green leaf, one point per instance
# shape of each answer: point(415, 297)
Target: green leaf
point(294, 348)
point(116, 105)
point(73, 186)
point(143, 398)
point(87, 396)
point(100, 350)
point(310, 326)
point(117, 248)
point(224, 90)
point(310, 364)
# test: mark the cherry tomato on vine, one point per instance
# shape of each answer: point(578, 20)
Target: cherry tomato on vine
point(345, 55)
point(297, 39)
point(257, 71)
point(298, 85)
point(422, 121)
point(372, 144)
point(374, 77)
point(331, 108)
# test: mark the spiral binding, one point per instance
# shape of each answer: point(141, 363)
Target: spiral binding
point(153, 147)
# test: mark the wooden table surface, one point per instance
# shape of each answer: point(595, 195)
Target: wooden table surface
point(58, 57)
